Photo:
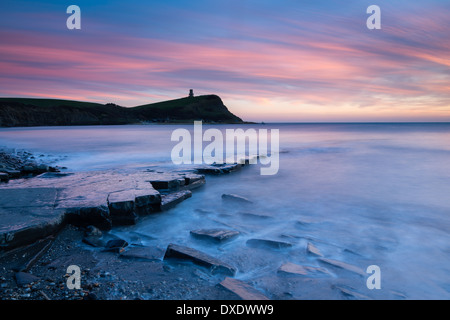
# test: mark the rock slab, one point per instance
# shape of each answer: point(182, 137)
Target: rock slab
point(218, 235)
point(343, 265)
point(270, 244)
point(199, 258)
point(302, 271)
point(242, 289)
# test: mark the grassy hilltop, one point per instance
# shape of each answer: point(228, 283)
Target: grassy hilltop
point(25, 112)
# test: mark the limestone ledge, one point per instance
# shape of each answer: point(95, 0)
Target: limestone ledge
point(31, 209)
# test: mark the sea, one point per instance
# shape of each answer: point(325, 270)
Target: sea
point(365, 194)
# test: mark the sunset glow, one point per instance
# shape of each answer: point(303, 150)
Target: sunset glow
point(296, 61)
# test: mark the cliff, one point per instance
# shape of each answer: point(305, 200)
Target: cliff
point(22, 112)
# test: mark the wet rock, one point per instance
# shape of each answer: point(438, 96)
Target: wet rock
point(23, 278)
point(143, 253)
point(203, 211)
point(255, 215)
point(116, 245)
point(235, 198)
point(147, 200)
point(218, 235)
point(34, 168)
point(174, 251)
point(217, 169)
point(401, 295)
point(29, 169)
point(97, 216)
point(242, 289)
point(172, 184)
point(270, 244)
point(350, 293)
point(4, 177)
point(343, 265)
point(194, 181)
point(27, 215)
point(121, 208)
point(11, 173)
point(94, 241)
point(303, 271)
point(172, 199)
point(54, 175)
point(313, 250)
point(93, 232)
point(248, 160)
point(23, 258)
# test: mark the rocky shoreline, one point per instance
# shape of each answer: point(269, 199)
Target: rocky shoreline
point(15, 164)
point(55, 219)
point(52, 218)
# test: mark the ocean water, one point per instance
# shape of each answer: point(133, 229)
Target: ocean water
point(364, 194)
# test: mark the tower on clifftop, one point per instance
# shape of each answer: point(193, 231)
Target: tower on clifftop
point(191, 93)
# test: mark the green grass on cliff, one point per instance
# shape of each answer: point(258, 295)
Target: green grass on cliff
point(49, 112)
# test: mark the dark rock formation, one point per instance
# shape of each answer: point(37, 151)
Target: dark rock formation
point(185, 253)
point(172, 199)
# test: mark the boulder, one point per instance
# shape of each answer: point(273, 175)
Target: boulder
point(174, 251)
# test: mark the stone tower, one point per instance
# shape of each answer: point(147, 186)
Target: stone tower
point(191, 93)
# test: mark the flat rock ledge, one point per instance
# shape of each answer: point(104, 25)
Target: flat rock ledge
point(32, 209)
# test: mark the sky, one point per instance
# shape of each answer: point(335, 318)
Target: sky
point(271, 61)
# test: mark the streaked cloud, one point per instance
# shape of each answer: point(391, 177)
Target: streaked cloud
point(268, 60)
